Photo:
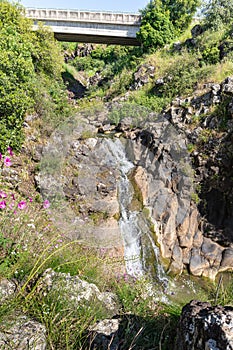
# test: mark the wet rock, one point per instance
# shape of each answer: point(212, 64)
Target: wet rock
point(203, 326)
point(22, 333)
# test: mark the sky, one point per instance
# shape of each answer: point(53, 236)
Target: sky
point(112, 5)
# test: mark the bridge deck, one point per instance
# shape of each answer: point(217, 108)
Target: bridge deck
point(88, 26)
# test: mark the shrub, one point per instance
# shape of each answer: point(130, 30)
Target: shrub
point(162, 20)
point(16, 74)
point(23, 55)
point(156, 28)
point(218, 13)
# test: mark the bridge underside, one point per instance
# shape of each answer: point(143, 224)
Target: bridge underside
point(96, 39)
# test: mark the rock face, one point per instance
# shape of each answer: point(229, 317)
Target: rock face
point(22, 333)
point(203, 326)
point(193, 233)
point(143, 75)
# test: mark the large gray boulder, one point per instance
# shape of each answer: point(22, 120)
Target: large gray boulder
point(205, 327)
point(22, 333)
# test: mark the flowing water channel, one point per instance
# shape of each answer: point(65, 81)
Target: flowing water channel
point(140, 251)
point(142, 255)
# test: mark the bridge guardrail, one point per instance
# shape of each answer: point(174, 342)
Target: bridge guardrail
point(83, 16)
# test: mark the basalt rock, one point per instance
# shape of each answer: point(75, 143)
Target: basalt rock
point(203, 326)
point(143, 75)
point(212, 155)
point(194, 232)
point(104, 335)
point(197, 30)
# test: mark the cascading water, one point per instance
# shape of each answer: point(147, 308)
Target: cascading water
point(135, 228)
point(128, 222)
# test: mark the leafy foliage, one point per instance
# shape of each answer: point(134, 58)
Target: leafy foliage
point(181, 12)
point(16, 74)
point(156, 28)
point(162, 20)
point(218, 13)
point(24, 56)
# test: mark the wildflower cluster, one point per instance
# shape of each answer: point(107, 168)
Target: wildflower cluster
point(7, 160)
point(8, 201)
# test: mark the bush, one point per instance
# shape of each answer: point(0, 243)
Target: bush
point(218, 13)
point(24, 56)
point(156, 28)
point(181, 12)
point(211, 55)
point(16, 74)
point(162, 20)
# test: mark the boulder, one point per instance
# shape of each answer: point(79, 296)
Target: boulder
point(143, 75)
point(227, 86)
point(197, 30)
point(203, 326)
point(75, 290)
point(104, 335)
point(7, 289)
point(22, 333)
point(227, 260)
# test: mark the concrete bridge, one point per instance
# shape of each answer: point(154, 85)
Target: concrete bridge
point(88, 26)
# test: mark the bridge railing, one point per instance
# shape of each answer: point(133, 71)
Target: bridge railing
point(83, 16)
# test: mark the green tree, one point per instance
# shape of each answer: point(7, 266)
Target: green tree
point(217, 14)
point(156, 28)
point(24, 57)
point(181, 12)
point(16, 74)
point(162, 20)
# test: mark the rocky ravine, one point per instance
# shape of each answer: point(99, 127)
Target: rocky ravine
point(191, 235)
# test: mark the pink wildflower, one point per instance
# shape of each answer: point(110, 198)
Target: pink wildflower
point(7, 161)
point(3, 194)
point(2, 204)
point(13, 196)
point(30, 199)
point(22, 205)
point(12, 205)
point(46, 204)
point(9, 149)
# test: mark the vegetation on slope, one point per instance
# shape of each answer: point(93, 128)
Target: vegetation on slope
point(30, 74)
point(163, 20)
point(30, 82)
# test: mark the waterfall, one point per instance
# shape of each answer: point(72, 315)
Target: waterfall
point(130, 230)
point(135, 228)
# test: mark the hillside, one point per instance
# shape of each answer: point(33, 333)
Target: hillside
point(116, 199)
